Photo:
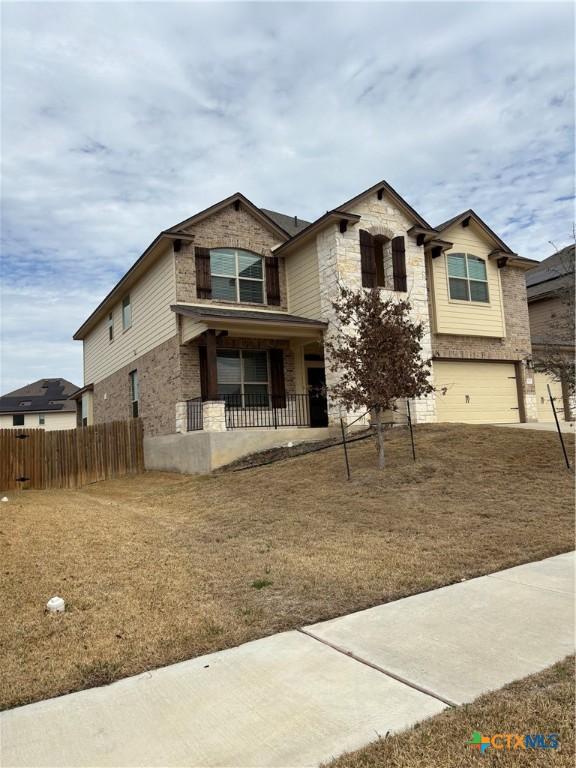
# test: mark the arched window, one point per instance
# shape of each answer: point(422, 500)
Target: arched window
point(467, 278)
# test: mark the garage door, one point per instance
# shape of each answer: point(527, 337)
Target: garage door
point(542, 399)
point(476, 393)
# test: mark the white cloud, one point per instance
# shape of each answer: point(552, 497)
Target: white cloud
point(122, 119)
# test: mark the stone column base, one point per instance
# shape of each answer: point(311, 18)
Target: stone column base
point(214, 416)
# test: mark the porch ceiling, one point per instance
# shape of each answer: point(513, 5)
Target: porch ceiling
point(243, 322)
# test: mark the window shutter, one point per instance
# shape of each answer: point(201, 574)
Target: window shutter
point(278, 386)
point(272, 280)
point(368, 259)
point(399, 264)
point(203, 278)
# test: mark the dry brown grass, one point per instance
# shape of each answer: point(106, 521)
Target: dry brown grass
point(542, 703)
point(159, 568)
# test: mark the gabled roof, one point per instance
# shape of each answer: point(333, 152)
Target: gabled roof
point(173, 233)
point(44, 395)
point(390, 192)
point(470, 214)
point(258, 213)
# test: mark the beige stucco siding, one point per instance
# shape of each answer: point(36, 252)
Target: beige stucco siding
point(468, 318)
point(52, 421)
point(303, 281)
point(153, 323)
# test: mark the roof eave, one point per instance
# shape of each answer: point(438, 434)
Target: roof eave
point(327, 219)
point(116, 291)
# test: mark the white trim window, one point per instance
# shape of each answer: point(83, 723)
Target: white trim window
point(237, 276)
point(41, 419)
point(243, 375)
point(126, 313)
point(110, 327)
point(467, 278)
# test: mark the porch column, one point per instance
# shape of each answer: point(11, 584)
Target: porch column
point(211, 377)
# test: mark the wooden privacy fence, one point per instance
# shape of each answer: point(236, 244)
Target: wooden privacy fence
point(70, 458)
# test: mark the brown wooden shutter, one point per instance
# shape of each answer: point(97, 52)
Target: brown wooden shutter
point(368, 259)
point(278, 386)
point(399, 264)
point(379, 262)
point(203, 278)
point(272, 280)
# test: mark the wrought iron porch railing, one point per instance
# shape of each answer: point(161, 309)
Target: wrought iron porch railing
point(195, 418)
point(267, 411)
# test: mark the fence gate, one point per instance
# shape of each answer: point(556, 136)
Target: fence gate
point(21, 458)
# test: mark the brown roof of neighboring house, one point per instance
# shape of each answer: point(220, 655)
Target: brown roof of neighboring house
point(44, 395)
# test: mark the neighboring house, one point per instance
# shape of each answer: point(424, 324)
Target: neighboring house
point(221, 322)
point(550, 288)
point(44, 404)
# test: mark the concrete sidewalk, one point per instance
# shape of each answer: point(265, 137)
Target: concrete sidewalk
point(299, 698)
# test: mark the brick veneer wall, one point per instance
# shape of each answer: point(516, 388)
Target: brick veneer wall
point(159, 377)
point(191, 364)
point(228, 228)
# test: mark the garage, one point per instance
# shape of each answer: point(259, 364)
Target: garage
point(541, 380)
point(476, 393)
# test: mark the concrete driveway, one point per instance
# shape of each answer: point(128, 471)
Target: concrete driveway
point(546, 426)
point(299, 698)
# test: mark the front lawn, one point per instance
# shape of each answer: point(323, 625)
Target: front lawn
point(538, 704)
point(159, 568)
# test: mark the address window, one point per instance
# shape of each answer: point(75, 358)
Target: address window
point(467, 278)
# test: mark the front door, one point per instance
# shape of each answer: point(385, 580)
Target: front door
point(317, 397)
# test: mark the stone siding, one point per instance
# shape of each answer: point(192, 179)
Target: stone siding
point(228, 228)
point(339, 261)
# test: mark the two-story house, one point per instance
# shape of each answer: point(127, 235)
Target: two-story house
point(221, 323)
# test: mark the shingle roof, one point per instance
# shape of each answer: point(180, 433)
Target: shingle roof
point(554, 267)
point(291, 224)
point(42, 395)
point(243, 314)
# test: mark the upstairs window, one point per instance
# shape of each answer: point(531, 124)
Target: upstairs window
point(41, 419)
point(110, 327)
point(126, 313)
point(236, 276)
point(134, 393)
point(18, 420)
point(467, 278)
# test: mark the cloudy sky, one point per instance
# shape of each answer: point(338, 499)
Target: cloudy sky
point(121, 119)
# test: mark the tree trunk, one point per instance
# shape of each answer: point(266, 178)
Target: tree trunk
point(380, 435)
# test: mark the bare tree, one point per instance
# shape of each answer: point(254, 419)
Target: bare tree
point(555, 348)
point(376, 352)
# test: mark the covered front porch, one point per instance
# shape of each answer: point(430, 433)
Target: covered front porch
point(250, 369)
